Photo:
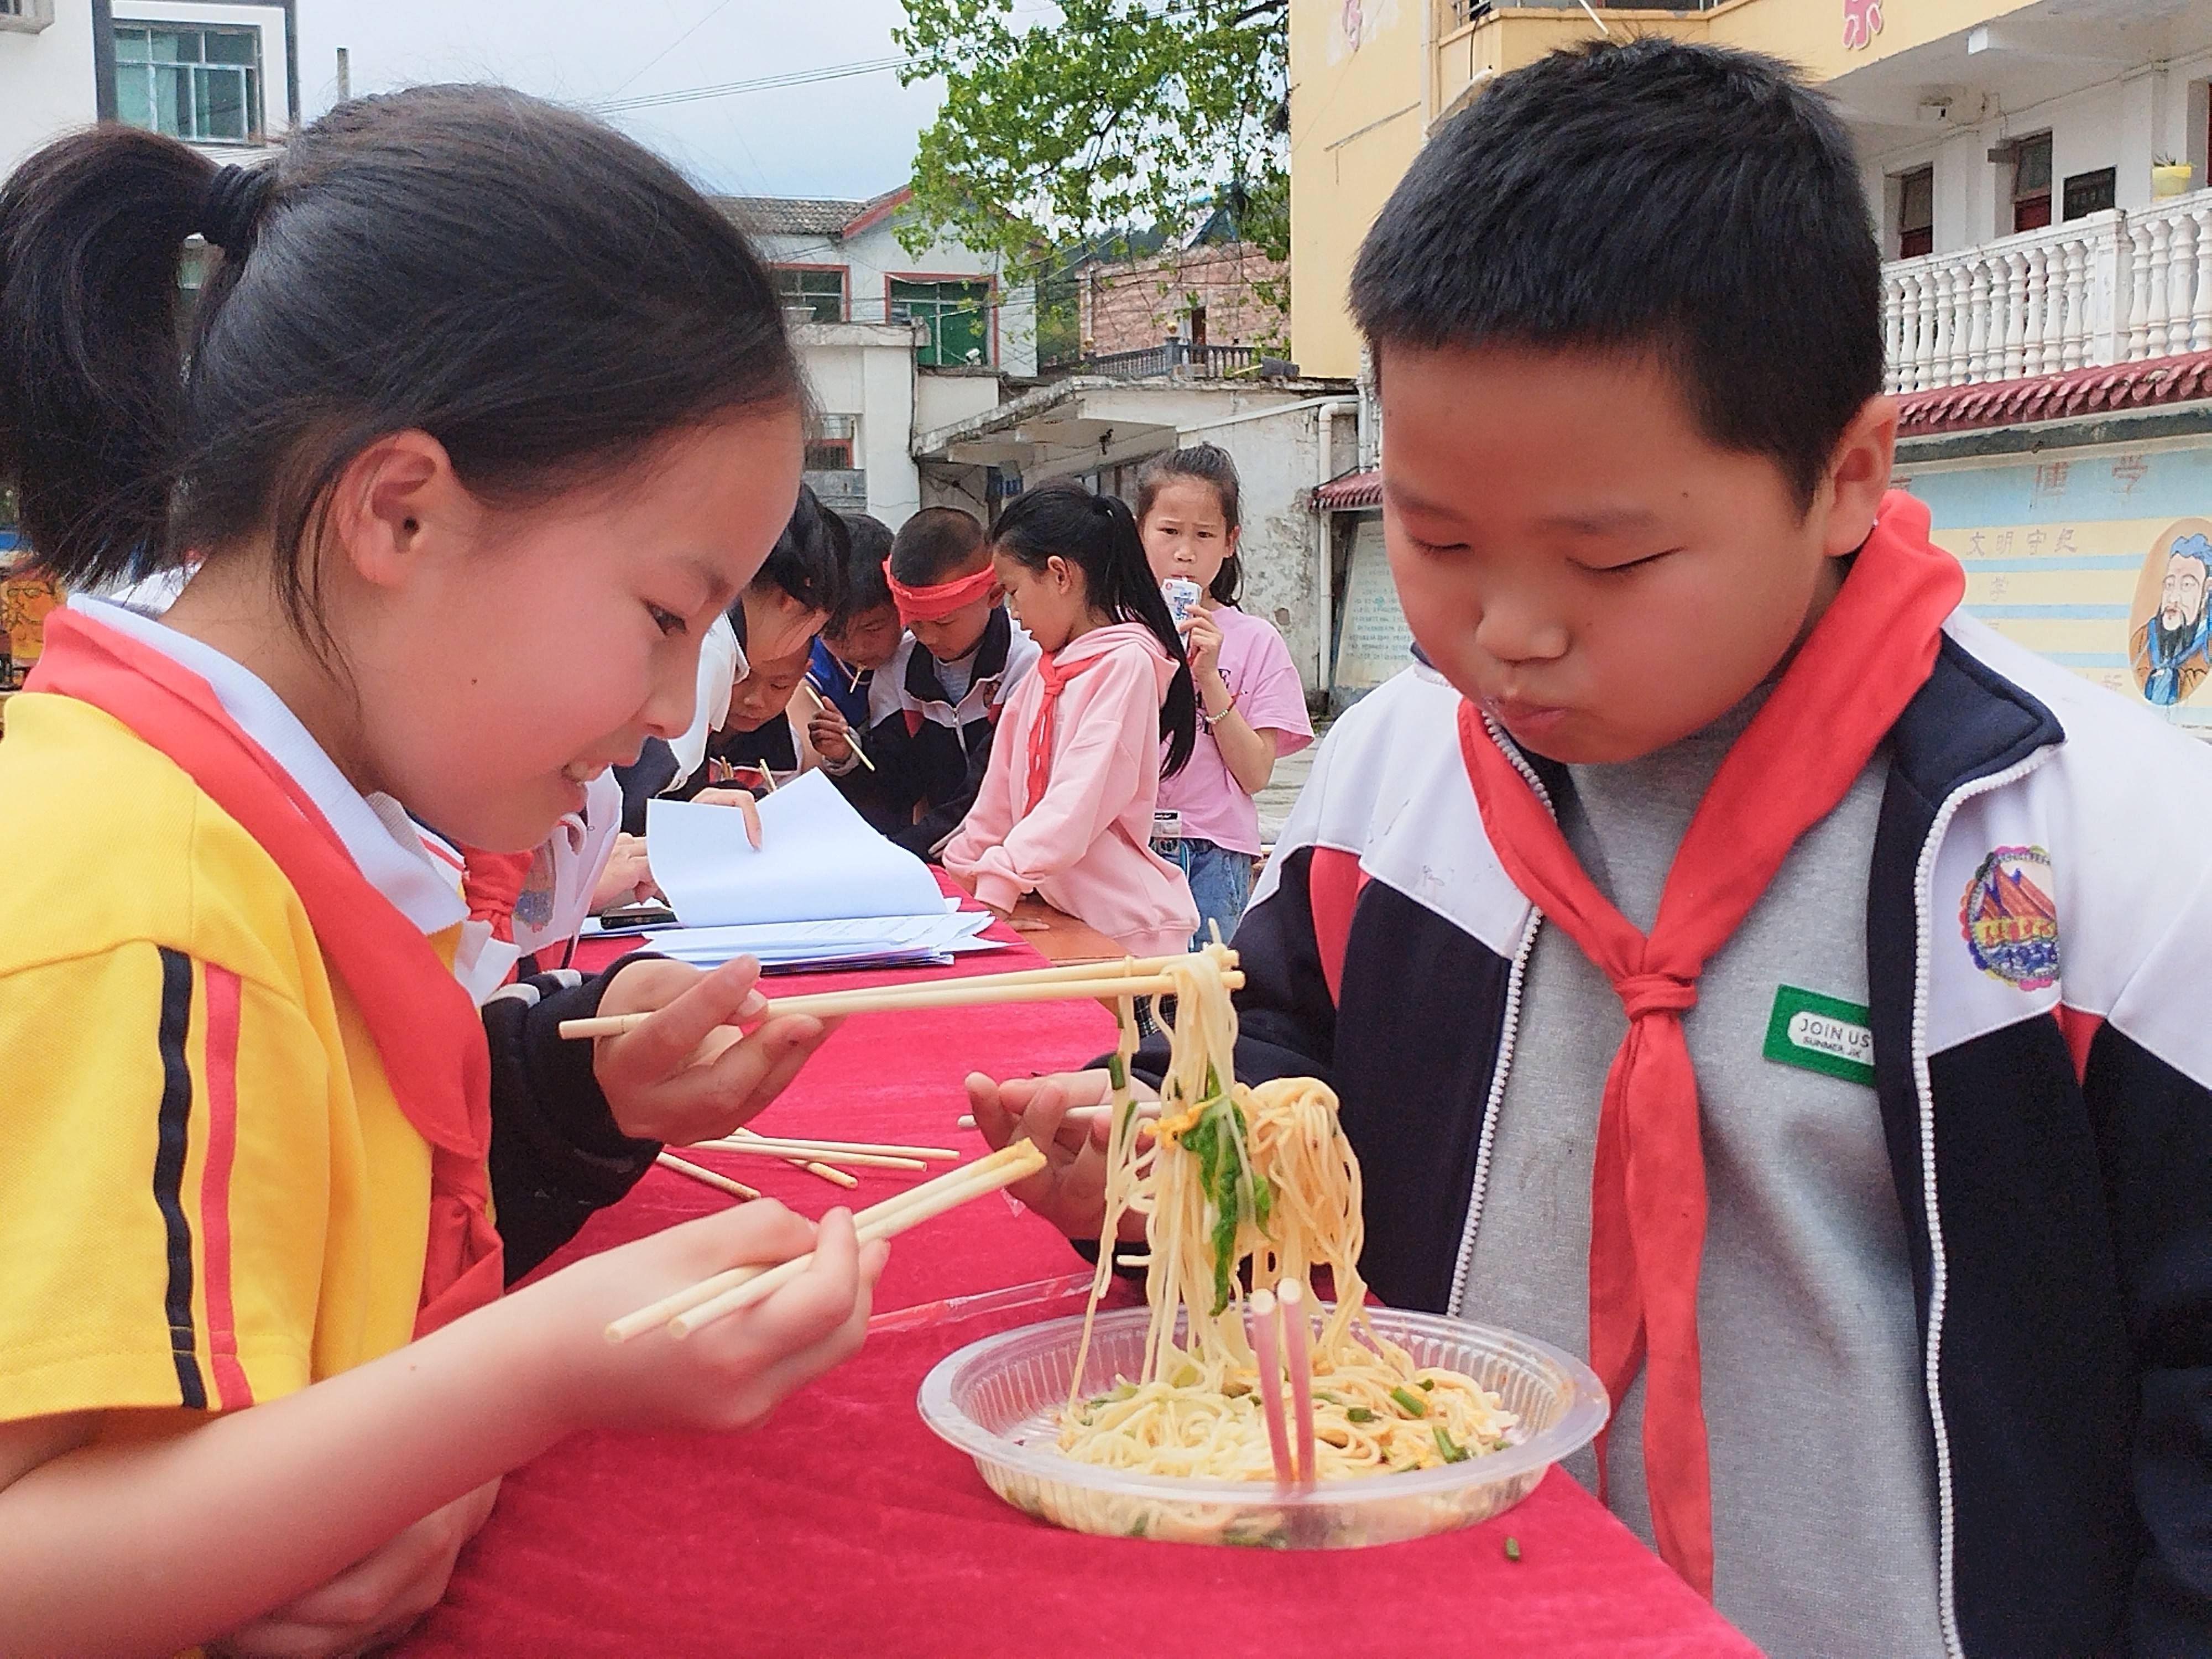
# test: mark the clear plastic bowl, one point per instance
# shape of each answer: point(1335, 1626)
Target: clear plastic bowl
point(996, 1400)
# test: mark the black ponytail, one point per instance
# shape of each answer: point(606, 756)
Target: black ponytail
point(91, 368)
point(541, 294)
point(1097, 534)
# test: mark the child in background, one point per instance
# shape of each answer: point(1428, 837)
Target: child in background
point(936, 704)
point(1065, 806)
point(1251, 707)
point(863, 632)
point(776, 618)
point(257, 1379)
point(761, 741)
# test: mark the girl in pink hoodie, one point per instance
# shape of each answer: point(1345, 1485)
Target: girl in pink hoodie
point(1066, 808)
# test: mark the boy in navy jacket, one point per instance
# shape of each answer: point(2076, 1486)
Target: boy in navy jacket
point(1736, 962)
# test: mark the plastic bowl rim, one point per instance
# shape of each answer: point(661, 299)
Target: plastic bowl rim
point(1587, 1409)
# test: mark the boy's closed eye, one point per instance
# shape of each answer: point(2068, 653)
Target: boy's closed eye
point(1635, 561)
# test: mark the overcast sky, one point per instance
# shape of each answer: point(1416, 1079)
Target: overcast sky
point(851, 138)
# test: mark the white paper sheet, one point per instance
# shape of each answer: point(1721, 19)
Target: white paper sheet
point(817, 861)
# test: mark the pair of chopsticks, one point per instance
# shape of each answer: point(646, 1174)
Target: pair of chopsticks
point(725, 1293)
point(855, 1154)
point(822, 707)
point(1099, 982)
point(1284, 1308)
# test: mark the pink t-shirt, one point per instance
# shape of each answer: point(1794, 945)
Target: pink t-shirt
point(1255, 665)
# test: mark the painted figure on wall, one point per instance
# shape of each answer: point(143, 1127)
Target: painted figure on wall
point(2171, 649)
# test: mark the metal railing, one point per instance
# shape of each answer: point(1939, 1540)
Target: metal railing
point(2114, 287)
point(1169, 359)
point(1458, 14)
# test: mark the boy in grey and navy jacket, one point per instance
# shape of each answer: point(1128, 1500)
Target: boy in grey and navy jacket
point(1736, 963)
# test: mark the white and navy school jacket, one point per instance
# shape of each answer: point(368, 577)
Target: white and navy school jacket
point(930, 752)
point(2039, 952)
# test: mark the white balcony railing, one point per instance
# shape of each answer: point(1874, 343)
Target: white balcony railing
point(2113, 287)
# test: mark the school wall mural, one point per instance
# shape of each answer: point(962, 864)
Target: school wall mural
point(2100, 559)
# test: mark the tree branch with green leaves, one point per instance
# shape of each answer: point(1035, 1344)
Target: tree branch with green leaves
point(1095, 118)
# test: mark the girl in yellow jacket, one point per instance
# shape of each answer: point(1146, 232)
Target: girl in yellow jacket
point(485, 417)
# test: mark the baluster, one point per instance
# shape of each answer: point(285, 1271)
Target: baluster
point(1978, 319)
point(1892, 331)
point(2015, 313)
point(2074, 350)
point(2038, 325)
point(2138, 317)
point(2180, 280)
point(1924, 338)
point(1947, 324)
point(1960, 291)
point(2161, 262)
point(2200, 310)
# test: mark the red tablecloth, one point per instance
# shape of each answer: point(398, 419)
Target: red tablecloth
point(844, 1527)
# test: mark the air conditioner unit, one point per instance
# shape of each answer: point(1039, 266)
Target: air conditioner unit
point(25, 16)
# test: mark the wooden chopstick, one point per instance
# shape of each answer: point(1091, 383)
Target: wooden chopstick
point(931, 1198)
point(822, 708)
point(1297, 1362)
point(708, 1177)
point(835, 1177)
point(882, 1149)
point(944, 994)
point(762, 1147)
point(952, 1191)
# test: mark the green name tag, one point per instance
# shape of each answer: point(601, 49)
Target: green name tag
point(1821, 1034)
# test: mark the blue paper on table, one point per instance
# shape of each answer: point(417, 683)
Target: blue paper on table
point(871, 941)
point(817, 861)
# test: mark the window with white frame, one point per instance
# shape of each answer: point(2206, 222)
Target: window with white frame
point(201, 83)
point(958, 315)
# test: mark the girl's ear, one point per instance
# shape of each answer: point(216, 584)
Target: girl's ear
point(396, 497)
point(1062, 573)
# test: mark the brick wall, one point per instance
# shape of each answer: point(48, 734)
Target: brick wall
point(1128, 307)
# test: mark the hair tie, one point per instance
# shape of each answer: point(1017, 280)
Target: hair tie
point(232, 207)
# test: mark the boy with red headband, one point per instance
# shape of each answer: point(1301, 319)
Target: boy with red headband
point(1737, 963)
point(932, 708)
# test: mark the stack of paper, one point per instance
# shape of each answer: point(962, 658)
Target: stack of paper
point(821, 889)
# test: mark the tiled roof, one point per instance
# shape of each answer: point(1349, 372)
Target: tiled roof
point(1350, 489)
point(2108, 388)
point(798, 216)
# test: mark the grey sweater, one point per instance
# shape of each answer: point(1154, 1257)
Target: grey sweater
point(1823, 1466)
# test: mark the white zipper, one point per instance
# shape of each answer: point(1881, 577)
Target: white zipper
point(1922, 900)
point(1506, 1035)
point(1506, 1032)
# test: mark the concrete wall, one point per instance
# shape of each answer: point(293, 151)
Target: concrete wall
point(47, 84)
point(2156, 109)
point(866, 371)
point(944, 397)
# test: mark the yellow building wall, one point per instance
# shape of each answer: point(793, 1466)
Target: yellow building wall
point(1368, 76)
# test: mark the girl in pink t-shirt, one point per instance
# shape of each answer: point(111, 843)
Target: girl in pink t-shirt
point(1252, 708)
point(1065, 806)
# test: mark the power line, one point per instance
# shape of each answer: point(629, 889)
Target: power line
point(712, 12)
point(763, 83)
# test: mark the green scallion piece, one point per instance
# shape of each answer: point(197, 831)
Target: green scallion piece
point(1453, 1452)
point(1512, 1547)
point(1360, 1414)
point(1413, 1404)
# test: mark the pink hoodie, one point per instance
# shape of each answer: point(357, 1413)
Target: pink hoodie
point(1086, 846)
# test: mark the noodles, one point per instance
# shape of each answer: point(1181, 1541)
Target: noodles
point(1266, 1176)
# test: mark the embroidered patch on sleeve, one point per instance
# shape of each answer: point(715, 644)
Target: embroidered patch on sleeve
point(1820, 1033)
point(2010, 923)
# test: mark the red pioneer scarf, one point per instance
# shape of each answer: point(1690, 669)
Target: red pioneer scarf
point(1054, 676)
point(427, 1029)
point(1870, 651)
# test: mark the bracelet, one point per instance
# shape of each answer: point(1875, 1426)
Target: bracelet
point(1213, 720)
